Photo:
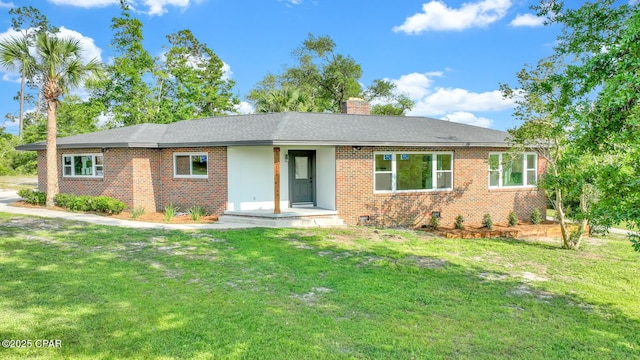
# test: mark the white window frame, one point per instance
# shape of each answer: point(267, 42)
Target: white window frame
point(94, 168)
point(525, 170)
point(190, 154)
point(434, 171)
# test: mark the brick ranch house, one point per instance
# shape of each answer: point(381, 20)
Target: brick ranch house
point(381, 170)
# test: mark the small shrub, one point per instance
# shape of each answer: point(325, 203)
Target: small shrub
point(196, 212)
point(137, 212)
point(107, 204)
point(512, 219)
point(33, 197)
point(487, 222)
point(64, 200)
point(81, 203)
point(536, 217)
point(459, 222)
point(434, 223)
point(169, 212)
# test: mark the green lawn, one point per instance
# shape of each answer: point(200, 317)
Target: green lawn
point(351, 293)
point(19, 182)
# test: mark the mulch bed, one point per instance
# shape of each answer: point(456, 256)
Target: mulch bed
point(156, 217)
point(522, 230)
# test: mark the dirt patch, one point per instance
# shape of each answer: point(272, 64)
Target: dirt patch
point(524, 290)
point(312, 296)
point(426, 262)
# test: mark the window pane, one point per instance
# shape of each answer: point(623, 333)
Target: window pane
point(444, 161)
point(531, 161)
point(67, 160)
point(494, 162)
point(83, 165)
point(98, 160)
point(67, 170)
point(513, 170)
point(383, 162)
point(531, 177)
point(182, 165)
point(494, 178)
point(199, 164)
point(302, 167)
point(414, 173)
point(383, 181)
point(444, 180)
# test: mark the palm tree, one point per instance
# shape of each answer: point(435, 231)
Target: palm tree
point(14, 55)
point(59, 68)
point(283, 100)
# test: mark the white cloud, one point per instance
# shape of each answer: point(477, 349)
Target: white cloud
point(291, 3)
point(245, 108)
point(527, 20)
point(153, 7)
point(446, 100)
point(468, 118)
point(6, 5)
point(415, 85)
point(437, 16)
point(226, 71)
point(454, 104)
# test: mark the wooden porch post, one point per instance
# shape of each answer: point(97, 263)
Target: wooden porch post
point(276, 180)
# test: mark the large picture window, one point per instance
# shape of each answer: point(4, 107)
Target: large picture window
point(413, 171)
point(507, 170)
point(82, 165)
point(190, 165)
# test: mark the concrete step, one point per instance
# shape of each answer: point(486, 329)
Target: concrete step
point(289, 221)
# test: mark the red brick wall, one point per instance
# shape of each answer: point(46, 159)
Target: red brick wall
point(470, 198)
point(143, 178)
point(210, 193)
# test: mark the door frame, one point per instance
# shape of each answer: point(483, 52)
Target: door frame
point(292, 173)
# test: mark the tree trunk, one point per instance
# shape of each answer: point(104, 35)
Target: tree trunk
point(21, 116)
point(52, 153)
point(564, 230)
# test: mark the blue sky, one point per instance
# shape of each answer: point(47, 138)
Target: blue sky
point(448, 56)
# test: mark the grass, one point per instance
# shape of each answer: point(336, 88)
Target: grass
point(347, 293)
point(19, 182)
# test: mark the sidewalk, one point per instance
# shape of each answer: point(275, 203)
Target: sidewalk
point(9, 196)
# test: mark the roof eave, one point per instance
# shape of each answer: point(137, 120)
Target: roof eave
point(36, 146)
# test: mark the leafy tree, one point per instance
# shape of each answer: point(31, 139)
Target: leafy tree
point(127, 96)
point(590, 114)
point(326, 78)
point(8, 154)
point(601, 40)
point(59, 66)
point(192, 83)
point(544, 103)
point(386, 99)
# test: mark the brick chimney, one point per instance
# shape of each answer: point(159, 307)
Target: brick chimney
point(355, 106)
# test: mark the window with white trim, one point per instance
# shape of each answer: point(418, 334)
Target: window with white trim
point(507, 170)
point(82, 165)
point(190, 165)
point(413, 171)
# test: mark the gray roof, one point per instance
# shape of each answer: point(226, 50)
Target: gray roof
point(290, 128)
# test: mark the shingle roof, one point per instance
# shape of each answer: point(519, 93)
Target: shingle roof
point(289, 129)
